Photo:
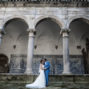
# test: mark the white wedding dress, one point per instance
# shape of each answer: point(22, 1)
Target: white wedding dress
point(40, 82)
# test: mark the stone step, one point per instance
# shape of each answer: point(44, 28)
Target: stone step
point(56, 78)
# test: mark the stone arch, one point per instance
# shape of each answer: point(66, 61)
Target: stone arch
point(54, 18)
point(4, 66)
point(48, 35)
point(79, 26)
point(7, 19)
point(76, 17)
point(85, 19)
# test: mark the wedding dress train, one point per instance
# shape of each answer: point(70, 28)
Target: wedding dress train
point(40, 82)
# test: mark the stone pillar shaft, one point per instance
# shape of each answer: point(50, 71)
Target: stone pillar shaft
point(2, 32)
point(0, 38)
point(66, 62)
point(30, 52)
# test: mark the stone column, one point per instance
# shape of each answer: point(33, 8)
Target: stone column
point(0, 37)
point(30, 52)
point(1, 33)
point(66, 63)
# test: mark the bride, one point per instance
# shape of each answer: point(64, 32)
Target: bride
point(40, 82)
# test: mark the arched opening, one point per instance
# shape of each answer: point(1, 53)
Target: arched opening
point(14, 43)
point(79, 45)
point(4, 66)
point(48, 44)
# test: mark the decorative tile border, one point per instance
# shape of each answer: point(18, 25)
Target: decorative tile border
point(18, 64)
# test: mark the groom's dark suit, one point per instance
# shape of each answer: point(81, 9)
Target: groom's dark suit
point(47, 66)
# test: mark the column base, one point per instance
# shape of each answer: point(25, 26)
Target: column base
point(66, 72)
point(28, 71)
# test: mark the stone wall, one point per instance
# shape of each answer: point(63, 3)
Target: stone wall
point(48, 40)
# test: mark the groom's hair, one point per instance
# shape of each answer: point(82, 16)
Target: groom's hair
point(45, 59)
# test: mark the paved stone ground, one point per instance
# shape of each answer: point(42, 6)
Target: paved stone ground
point(8, 81)
point(51, 86)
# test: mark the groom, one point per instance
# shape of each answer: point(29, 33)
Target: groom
point(47, 70)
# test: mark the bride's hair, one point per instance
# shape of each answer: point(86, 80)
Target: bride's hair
point(41, 61)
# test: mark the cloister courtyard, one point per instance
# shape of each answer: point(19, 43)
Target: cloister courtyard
point(55, 30)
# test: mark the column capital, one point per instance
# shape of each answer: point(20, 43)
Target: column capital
point(65, 32)
point(32, 32)
point(2, 32)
